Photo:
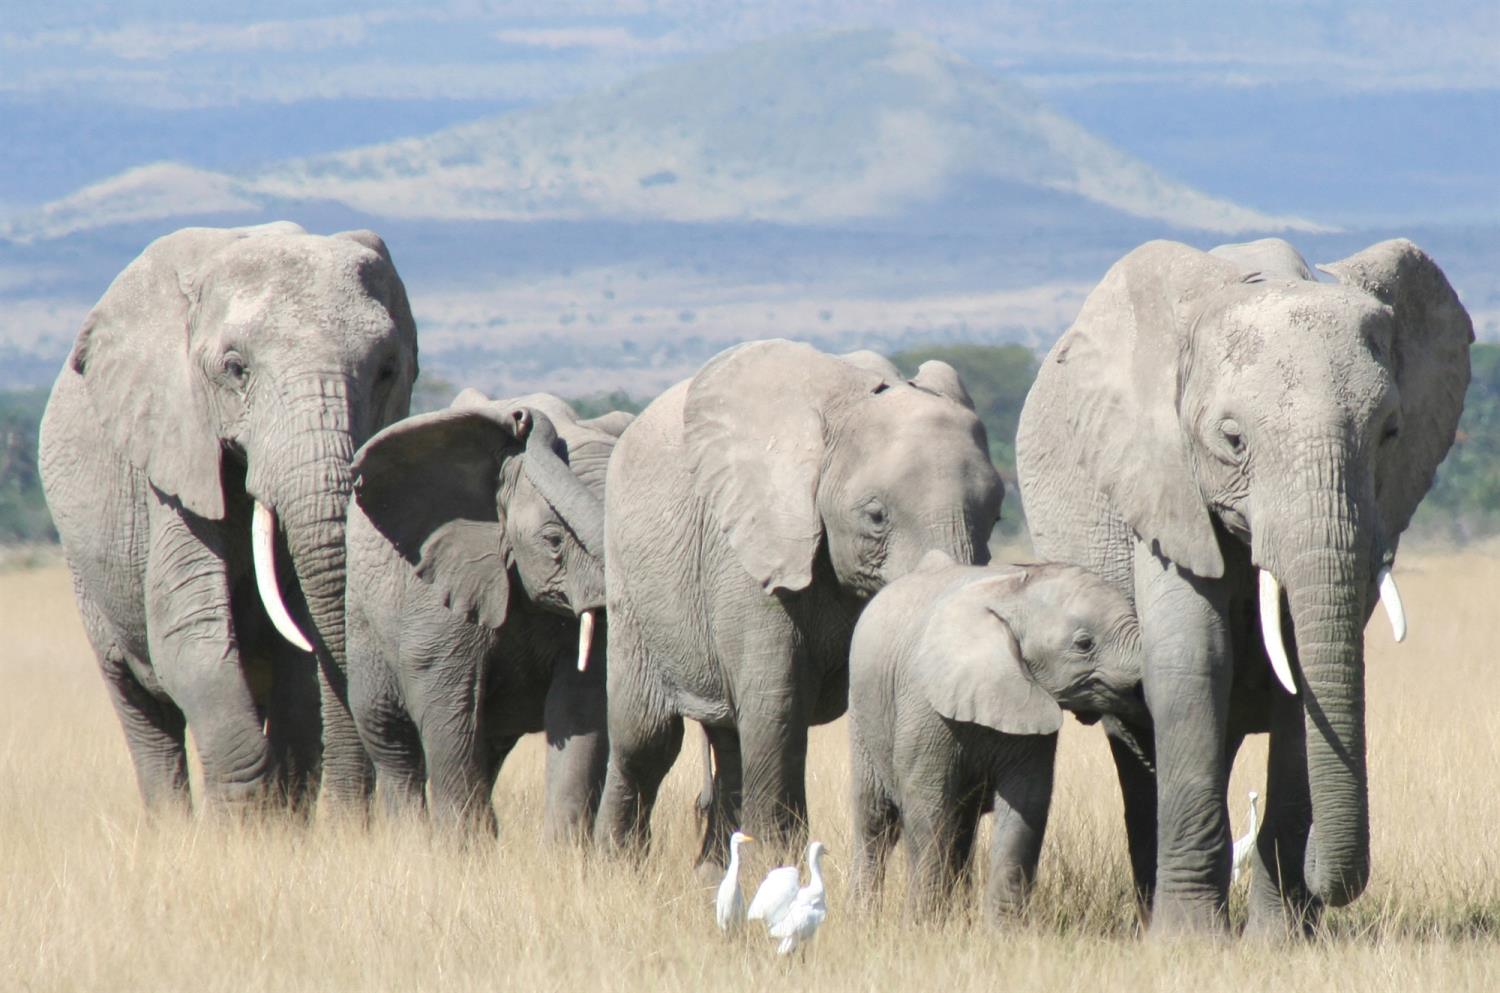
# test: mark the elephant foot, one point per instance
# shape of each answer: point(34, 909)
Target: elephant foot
point(1178, 917)
point(1276, 918)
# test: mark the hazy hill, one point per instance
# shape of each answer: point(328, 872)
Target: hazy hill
point(806, 130)
point(857, 189)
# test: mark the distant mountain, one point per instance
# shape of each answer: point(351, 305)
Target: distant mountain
point(812, 130)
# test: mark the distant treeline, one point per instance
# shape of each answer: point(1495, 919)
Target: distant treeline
point(1463, 505)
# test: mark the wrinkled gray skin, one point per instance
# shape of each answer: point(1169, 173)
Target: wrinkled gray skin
point(957, 680)
point(223, 366)
point(752, 511)
point(472, 551)
point(1208, 415)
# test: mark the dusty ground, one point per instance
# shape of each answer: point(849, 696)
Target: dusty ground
point(93, 896)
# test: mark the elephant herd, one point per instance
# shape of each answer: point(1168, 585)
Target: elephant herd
point(1217, 462)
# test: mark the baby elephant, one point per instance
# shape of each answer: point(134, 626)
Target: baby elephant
point(957, 677)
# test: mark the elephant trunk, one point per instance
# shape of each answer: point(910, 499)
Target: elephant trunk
point(307, 486)
point(1327, 570)
point(580, 509)
point(583, 512)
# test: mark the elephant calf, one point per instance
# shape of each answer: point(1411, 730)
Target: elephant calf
point(475, 573)
point(956, 679)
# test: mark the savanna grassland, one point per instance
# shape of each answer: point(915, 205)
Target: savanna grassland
point(96, 896)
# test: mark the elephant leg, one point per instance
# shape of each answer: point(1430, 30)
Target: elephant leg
point(965, 835)
point(932, 827)
point(723, 813)
point(1187, 676)
point(877, 826)
point(497, 748)
point(155, 730)
point(442, 683)
point(1281, 903)
point(1023, 798)
point(1138, 792)
point(401, 769)
point(644, 738)
point(642, 749)
point(348, 778)
point(194, 652)
point(461, 766)
point(154, 733)
point(285, 680)
point(705, 798)
point(773, 757)
point(392, 740)
point(576, 721)
point(294, 724)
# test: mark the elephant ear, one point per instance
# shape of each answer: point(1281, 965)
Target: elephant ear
point(469, 397)
point(881, 366)
point(613, 423)
point(430, 483)
point(370, 240)
point(1430, 361)
point(937, 376)
point(1272, 258)
point(970, 666)
point(134, 356)
point(753, 428)
point(1123, 357)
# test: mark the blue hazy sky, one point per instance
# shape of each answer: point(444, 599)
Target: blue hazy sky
point(1374, 111)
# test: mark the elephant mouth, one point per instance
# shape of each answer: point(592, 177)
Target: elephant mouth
point(1233, 519)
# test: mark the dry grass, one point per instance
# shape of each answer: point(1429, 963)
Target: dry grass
point(97, 897)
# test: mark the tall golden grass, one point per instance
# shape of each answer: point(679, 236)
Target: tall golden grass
point(96, 896)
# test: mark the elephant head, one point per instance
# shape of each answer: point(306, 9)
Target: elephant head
point(796, 451)
point(1014, 649)
point(482, 491)
point(1231, 395)
point(252, 362)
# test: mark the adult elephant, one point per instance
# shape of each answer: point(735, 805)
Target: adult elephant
point(476, 571)
point(752, 510)
point(1219, 432)
point(218, 390)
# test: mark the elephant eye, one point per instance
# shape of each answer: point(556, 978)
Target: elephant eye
point(875, 516)
point(553, 539)
point(1392, 430)
point(1233, 436)
point(387, 373)
point(1083, 642)
point(234, 366)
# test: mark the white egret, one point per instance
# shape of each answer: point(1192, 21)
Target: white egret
point(729, 905)
point(776, 893)
point(1245, 844)
point(790, 911)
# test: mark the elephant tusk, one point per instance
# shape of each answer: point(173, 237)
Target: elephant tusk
point(263, 552)
point(1270, 630)
point(585, 638)
point(1390, 599)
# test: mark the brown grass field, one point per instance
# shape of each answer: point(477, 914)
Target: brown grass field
point(94, 896)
